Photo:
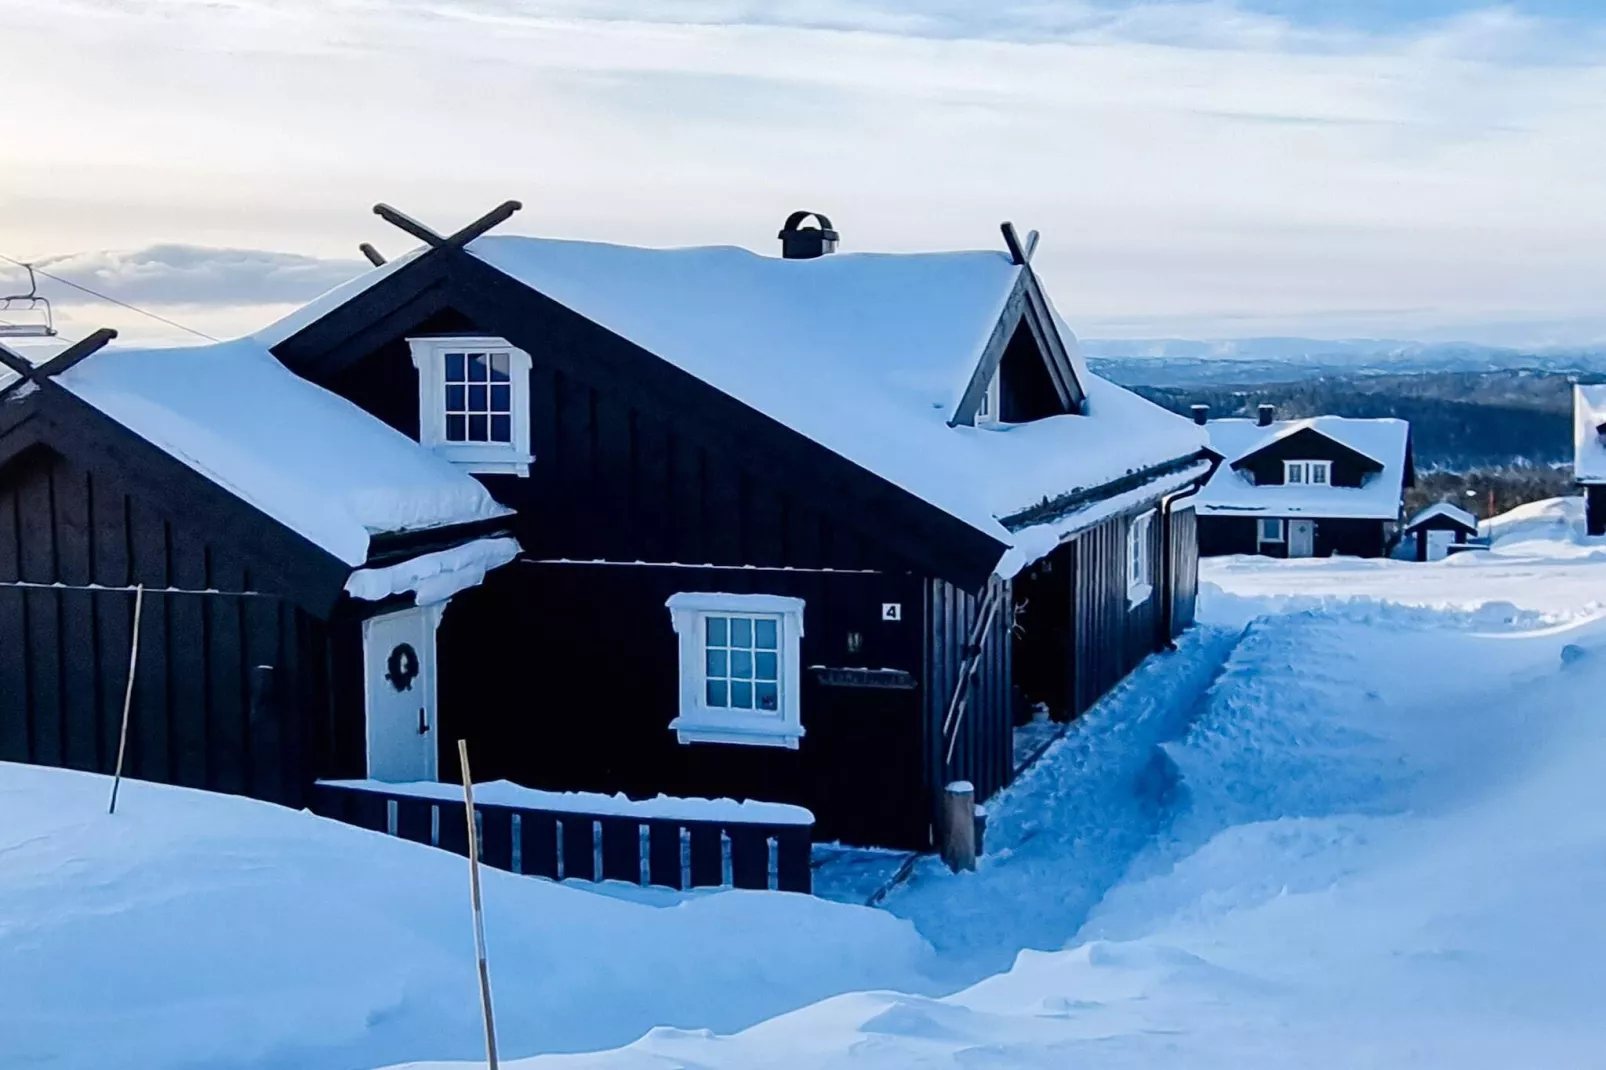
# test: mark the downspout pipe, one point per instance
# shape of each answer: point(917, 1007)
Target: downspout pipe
point(1167, 578)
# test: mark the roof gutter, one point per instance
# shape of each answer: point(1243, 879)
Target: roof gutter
point(1052, 509)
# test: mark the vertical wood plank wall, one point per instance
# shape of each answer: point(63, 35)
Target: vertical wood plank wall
point(64, 653)
point(983, 750)
point(1111, 636)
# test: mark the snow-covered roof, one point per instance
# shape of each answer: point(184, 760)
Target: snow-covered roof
point(1230, 492)
point(1589, 450)
point(313, 461)
point(867, 354)
point(1444, 509)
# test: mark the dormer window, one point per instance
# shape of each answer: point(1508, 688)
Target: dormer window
point(474, 402)
point(987, 410)
point(1315, 473)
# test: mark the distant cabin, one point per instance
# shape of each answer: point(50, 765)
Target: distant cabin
point(1438, 527)
point(1589, 452)
point(1305, 488)
point(820, 528)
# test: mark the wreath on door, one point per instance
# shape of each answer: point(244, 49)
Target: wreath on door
point(402, 668)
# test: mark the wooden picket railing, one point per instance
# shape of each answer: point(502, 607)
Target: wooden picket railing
point(564, 844)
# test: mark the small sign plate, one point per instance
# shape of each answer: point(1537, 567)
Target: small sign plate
point(880, 679)
point(891, 610)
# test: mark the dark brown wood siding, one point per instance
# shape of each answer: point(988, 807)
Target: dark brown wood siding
point(204, 715)
point(1112, 636)
point(981, 741)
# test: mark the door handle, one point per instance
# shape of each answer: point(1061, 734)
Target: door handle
point(423, 725)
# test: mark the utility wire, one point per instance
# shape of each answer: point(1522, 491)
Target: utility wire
point(112, 300)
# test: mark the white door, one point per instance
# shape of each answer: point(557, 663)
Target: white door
point(399, 667)
point(1438, 544)
point(1301, 538)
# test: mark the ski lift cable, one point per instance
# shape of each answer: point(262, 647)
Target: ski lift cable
point(112, 300)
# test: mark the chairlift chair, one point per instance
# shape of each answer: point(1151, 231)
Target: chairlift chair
point(27, 315)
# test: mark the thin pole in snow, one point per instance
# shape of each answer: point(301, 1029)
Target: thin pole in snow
point(128, 697)
point(479, 916)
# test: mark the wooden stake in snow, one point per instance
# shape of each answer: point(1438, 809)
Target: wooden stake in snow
point(128, 697)
point(479, 916)
point(959, 826)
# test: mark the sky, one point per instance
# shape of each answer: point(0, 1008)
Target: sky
point(1421, 169)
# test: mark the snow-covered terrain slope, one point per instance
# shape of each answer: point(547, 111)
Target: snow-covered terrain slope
point(197, 930)
point(1356, 820)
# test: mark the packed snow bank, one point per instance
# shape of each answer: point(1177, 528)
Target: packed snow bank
point(1540, 565)
point(202, 930)
point(1388, 847)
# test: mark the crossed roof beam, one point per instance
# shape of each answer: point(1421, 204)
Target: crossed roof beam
point(39, 374)
point(433, 238)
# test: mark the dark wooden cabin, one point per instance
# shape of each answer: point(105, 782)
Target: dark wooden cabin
point(786, 533)
point(1433, 530)
point(241, 563)
point(1316, 487)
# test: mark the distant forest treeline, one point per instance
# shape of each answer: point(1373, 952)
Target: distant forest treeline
point(1460, 421)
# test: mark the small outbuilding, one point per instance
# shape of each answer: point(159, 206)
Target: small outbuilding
point(1589, 452)
point(1438, 527)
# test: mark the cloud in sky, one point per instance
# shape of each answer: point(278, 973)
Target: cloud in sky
point(1202, 168)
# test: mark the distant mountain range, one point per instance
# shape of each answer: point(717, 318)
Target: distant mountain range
point(1171, 362)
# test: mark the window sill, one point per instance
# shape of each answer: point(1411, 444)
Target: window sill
point(737, 730)
point(1136, 596)
point(486, 462)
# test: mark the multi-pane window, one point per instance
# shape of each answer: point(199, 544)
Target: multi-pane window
point(1317, 473)
point(1138, 565)
point(479, 397)
point(740, 668)
point(742, 662)
point(474, 402)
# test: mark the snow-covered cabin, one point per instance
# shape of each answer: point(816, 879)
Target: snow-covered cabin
point(1305, 488)
point(816, 530)
point(1589, 452)
point(1437, 527)
point(255, 517)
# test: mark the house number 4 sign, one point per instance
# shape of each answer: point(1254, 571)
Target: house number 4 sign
point(891, 610)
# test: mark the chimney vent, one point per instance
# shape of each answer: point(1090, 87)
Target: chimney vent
point(1266, 414)
point(1201, 414)
point(806, 243)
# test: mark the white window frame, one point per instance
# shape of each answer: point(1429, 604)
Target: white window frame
point(1306, 472)
point(489, 458)
point(1139, 562)
point(1260, 529)
point(987, 410)
point(700, 723)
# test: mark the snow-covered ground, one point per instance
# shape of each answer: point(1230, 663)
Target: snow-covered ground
point(1357, 819)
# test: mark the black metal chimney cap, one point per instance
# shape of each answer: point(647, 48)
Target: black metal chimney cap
point(800, 243)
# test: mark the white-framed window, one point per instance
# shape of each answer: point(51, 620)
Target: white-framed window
point(740, 680)
point(474, 402)
point(1271, 529)
point(987, 410)
point(1139, 566)
point(1317, 473)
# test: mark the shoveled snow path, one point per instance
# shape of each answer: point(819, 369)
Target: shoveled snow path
point(1072, 822)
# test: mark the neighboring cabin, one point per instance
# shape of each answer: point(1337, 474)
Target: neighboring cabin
point(1304, 488)
point(815, 529)
point(1435, 529)
point(1589, 452)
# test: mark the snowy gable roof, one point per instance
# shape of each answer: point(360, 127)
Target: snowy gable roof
point(1448, 510)
point(312, 461)
point(1589, 448)
point(1385, 441)
point(867, 354)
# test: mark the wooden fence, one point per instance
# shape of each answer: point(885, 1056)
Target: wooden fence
point(563, 845)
